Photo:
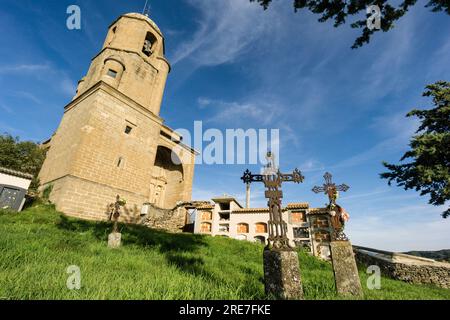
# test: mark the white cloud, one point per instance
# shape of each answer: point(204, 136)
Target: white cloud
point(412, 228)
point(23, 68)
point(264, 112)
point(226, 29)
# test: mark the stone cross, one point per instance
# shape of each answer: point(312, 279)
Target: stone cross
point(115, 213)
point(273, 179)
point(114, 238)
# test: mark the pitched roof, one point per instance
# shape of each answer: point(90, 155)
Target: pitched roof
point(16, 173)
point(317, 211)
point(251, 210)
point(298, 205)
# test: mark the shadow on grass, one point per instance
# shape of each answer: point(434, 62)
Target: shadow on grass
point(178, 249)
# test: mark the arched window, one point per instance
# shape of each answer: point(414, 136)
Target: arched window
point(149, 44)
point(242, 228)
point(261, 227)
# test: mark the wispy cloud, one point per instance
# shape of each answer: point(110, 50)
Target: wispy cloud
point(264, 112)
point(23, 68)
point(225, 30)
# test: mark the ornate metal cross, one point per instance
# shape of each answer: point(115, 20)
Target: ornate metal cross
point(330, 188)
point(273, 179)
point(338, 214)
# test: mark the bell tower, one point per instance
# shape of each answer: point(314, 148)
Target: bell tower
point(132, 61)
point(111, 140)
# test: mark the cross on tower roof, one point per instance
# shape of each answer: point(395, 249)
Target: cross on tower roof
point(146, 10)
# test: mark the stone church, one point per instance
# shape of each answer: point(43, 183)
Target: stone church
point(111, 140)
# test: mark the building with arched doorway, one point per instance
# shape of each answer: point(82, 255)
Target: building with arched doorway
point(111, 140)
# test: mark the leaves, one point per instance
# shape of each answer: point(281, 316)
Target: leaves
point(340, 10)
point(429, 168)
point(25, 156)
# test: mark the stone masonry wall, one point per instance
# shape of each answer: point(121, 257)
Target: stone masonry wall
point(172, 220)
point(420, 274)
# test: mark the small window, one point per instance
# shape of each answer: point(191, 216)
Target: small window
point(112, 73)
point(128, 129)
point(120, 162)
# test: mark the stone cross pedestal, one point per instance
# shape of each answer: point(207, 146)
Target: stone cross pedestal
point(281, 268)
point(345, 270)
point(282, 274)
point(114, 240)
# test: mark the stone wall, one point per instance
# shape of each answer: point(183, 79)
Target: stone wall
point(421, 272)
point(172, 220)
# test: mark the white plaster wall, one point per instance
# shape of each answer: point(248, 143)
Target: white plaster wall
point(9, 180)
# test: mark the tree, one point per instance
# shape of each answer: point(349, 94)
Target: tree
point(25, 156)
point(341, 10)
point(429, 170)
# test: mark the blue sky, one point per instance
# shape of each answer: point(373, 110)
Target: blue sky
point(338, 110)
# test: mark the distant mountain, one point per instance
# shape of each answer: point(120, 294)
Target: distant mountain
point(440, 255)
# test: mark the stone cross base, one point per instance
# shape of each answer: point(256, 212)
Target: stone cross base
point(346, 274)
point(282, 274)
point(114, 240)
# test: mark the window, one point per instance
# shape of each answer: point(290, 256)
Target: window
point(301, 233)
point(298, 217)
point(224, 206)
point(261, 227)
point(207, 215)
point(224, 228)
point(128, 129)
point(149, 44)
point(120, 162)
point(242, 228)
point(205, 227)
point(112, 73)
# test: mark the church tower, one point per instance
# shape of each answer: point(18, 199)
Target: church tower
point(111, 140)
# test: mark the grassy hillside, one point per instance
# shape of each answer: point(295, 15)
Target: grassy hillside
point(37, 246)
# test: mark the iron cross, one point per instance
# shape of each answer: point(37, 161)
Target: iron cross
point(330, 188)
point(273, 179)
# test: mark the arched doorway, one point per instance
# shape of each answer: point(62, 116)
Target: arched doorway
point(167, 179)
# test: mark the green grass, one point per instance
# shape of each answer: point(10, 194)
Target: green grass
point(38, 245)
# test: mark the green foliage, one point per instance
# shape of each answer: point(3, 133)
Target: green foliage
point(24, 156)
point(38, 245)
point(429, 170)
point(340, 10)
point(46, 193)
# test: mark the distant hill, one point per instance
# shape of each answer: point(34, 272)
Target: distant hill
point(440, 255)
